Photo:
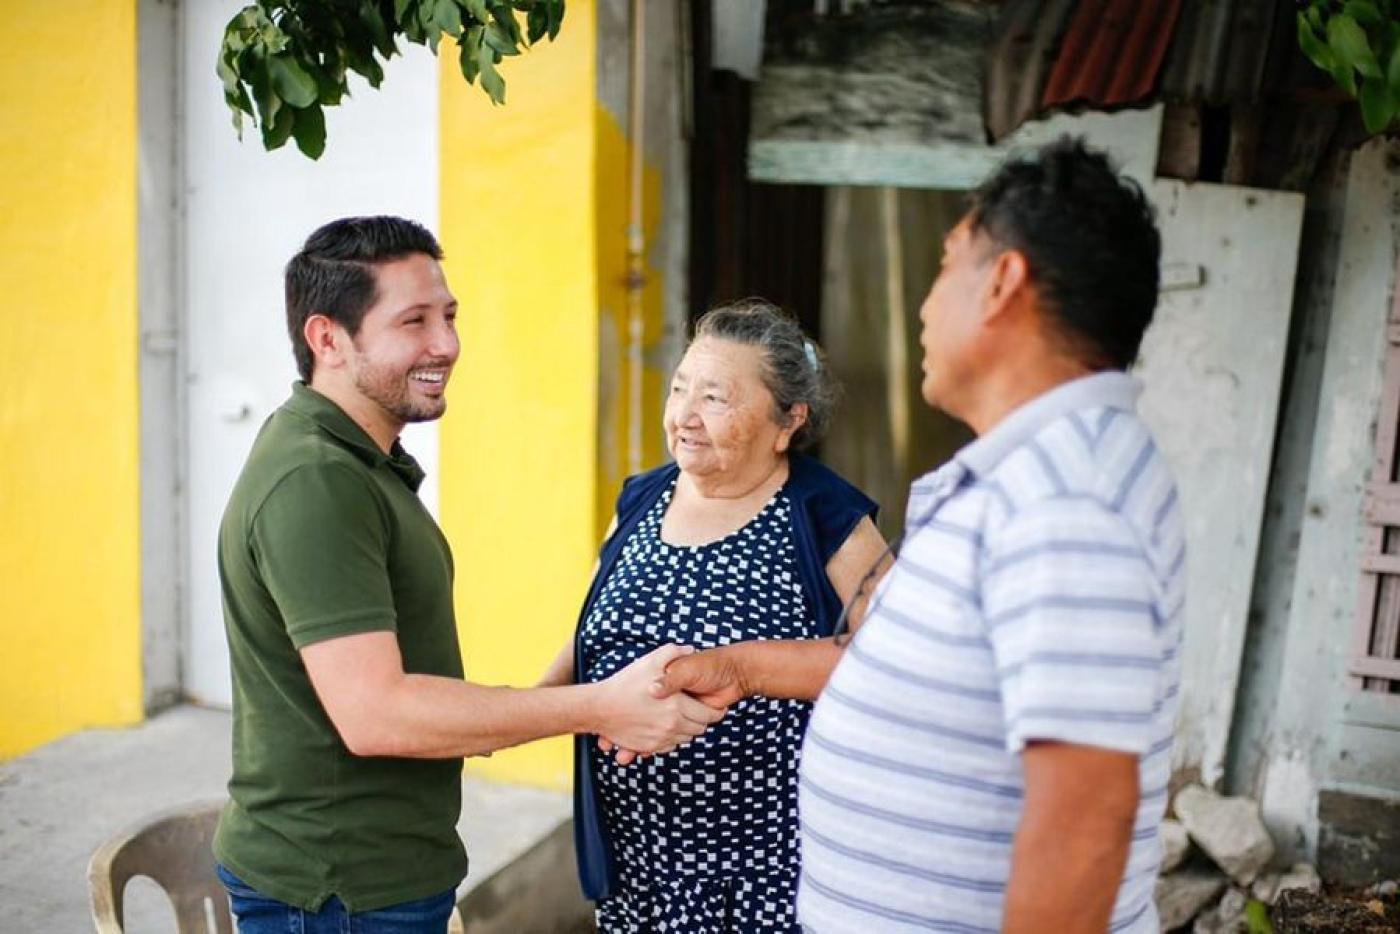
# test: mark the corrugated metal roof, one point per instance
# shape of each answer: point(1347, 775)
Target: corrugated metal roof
point(910, 91)
point(1222, 50)
point(1019, 60)
point(1112, 53)
point(1105, 54)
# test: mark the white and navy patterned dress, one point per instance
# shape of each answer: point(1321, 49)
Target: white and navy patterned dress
point(705, 837)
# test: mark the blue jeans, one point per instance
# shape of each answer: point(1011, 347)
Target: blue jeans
point(257, 914)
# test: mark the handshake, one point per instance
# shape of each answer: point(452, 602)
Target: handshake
point(665, 699)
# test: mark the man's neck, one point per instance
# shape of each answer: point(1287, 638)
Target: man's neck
point(369, 415)
point(1011, 385)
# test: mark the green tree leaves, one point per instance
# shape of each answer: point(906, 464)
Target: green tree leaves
point(282, 61)
point(291, 82)
point(1357, 42)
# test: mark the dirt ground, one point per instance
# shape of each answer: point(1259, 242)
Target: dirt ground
point(1335, 911)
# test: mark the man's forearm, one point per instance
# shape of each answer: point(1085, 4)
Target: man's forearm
point(1065, 878)
point(379, 710)
point(429, 717)
point(1072, 843)
point(796, 669)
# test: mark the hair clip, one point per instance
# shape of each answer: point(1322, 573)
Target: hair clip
point(811, 350)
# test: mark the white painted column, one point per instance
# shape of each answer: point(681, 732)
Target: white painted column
point(247, 212)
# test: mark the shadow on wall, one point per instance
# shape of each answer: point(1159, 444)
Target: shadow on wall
point(537, 891)
point(882, 254)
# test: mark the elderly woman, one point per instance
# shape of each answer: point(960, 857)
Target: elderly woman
point(740, 539)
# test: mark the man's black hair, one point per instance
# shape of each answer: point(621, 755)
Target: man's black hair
point(333, 274)
point(1090, 240)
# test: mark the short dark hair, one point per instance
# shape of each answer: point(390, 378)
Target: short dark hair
point(1090, 241)
point(794, 368)
point(333, 273)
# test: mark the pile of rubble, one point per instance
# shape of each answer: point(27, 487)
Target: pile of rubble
point(1215, 865)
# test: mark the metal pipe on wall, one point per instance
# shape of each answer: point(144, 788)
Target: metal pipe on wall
point(636, 236)
point(897, 334)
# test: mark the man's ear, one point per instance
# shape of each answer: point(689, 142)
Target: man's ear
point(1009, 284)
point(328, 341)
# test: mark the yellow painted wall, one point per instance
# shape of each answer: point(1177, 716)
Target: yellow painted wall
point(69, 552)
point(519, 440)
point(534, 222)
point(614, 156)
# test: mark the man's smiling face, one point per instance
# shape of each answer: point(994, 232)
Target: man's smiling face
point(407, 342)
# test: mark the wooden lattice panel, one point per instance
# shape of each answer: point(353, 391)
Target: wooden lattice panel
point(1374, 664)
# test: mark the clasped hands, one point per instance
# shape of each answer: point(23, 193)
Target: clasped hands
point(675, 693)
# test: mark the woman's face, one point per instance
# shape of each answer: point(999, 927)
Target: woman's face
point(719, 414)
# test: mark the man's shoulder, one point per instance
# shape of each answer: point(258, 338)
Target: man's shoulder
point(1098, 456)
point(291, 451)
point(1094, 473)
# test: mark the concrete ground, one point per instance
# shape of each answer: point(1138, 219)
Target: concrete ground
point(60, 802)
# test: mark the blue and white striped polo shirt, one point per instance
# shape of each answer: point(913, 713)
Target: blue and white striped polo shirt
point(1038, 596)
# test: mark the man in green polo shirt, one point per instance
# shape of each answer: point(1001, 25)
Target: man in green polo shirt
point(351, 715)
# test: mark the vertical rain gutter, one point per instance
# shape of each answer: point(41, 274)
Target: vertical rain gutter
point(897, 328)
point(636, 237)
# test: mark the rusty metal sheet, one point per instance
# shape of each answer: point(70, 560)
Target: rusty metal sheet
point(1222, 48)
point(1112, 53)
point(1019, 60)
point(1103, 54)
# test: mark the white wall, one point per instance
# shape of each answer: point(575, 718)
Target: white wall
point(1318, 717)
point(1212, 365)
point(246, 212)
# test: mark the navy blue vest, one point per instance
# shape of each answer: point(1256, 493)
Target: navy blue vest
point(825, 510)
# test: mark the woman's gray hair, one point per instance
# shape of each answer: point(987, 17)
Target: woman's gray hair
point(794, 367)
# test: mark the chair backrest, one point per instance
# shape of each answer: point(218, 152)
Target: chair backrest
point(174, 848)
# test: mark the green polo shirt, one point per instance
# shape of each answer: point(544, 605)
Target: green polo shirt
point(324, 536)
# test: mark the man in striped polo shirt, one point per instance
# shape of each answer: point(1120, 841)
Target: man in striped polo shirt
point(992, 752)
